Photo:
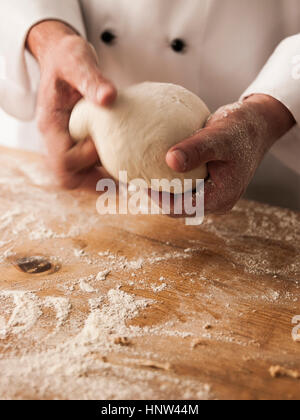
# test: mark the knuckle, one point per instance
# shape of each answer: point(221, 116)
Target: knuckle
point(230, 204)
point(58, 162)
point(66, 184)
point(62, 165)
point(222, 209)
point(221, 206)
point(228, 207)
point(60, 180)
point(64, 180)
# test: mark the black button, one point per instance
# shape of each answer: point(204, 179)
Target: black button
point(178, 45)
point(108, 37)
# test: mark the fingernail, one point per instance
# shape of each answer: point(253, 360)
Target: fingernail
point(181, 159)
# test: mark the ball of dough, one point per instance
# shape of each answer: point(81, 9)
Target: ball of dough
point(135, 134)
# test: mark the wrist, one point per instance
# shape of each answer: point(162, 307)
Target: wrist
point(44, 36)
point(277, 116)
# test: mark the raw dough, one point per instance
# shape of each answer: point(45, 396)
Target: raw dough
point(136, 133)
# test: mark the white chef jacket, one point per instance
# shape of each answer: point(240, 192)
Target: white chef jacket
point(231, 47)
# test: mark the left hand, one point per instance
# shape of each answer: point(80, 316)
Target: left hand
point(69, 71)
point(232, 144)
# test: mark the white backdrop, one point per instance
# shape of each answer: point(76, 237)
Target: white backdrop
point(12, 134)
point(9, 129)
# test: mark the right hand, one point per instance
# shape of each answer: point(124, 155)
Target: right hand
point(69, 71)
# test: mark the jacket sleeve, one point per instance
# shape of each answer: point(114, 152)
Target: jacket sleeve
point(280, 78)
point(19, 73)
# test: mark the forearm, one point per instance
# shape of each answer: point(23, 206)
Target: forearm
point(43, 36)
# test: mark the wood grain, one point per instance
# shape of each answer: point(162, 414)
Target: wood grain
point(223, 318)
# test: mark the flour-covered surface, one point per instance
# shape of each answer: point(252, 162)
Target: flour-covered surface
point(124, 307)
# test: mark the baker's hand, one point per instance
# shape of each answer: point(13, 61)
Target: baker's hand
point(233, 144)
point(69, 71)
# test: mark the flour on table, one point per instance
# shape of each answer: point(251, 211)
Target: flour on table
point(160, 288)
point(102, 275)
point(111, 318)
point(62, 307)
point(81, 364)
point(86, 287)
point(26, 312)
point(79, 252)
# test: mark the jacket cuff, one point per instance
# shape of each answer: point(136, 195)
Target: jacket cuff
point(20, 72)
point(67, 11)
point(280, 77)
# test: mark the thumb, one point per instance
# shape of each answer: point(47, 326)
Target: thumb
point(87, 79)
point(205, 146)
point(95, 88)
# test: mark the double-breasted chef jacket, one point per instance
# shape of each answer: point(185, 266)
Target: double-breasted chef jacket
point(222, 50)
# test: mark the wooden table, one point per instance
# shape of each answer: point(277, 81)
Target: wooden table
point(176, 312)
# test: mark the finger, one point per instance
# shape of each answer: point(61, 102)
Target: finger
point(167, 202)
point(55, 102)
point(82, 156)
point(207, 145)
point(89, 180)
point(65, 158)
point(63, 178)
point(222, 190)
point(86, 77)
point(213, 198)
point(71, 180)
